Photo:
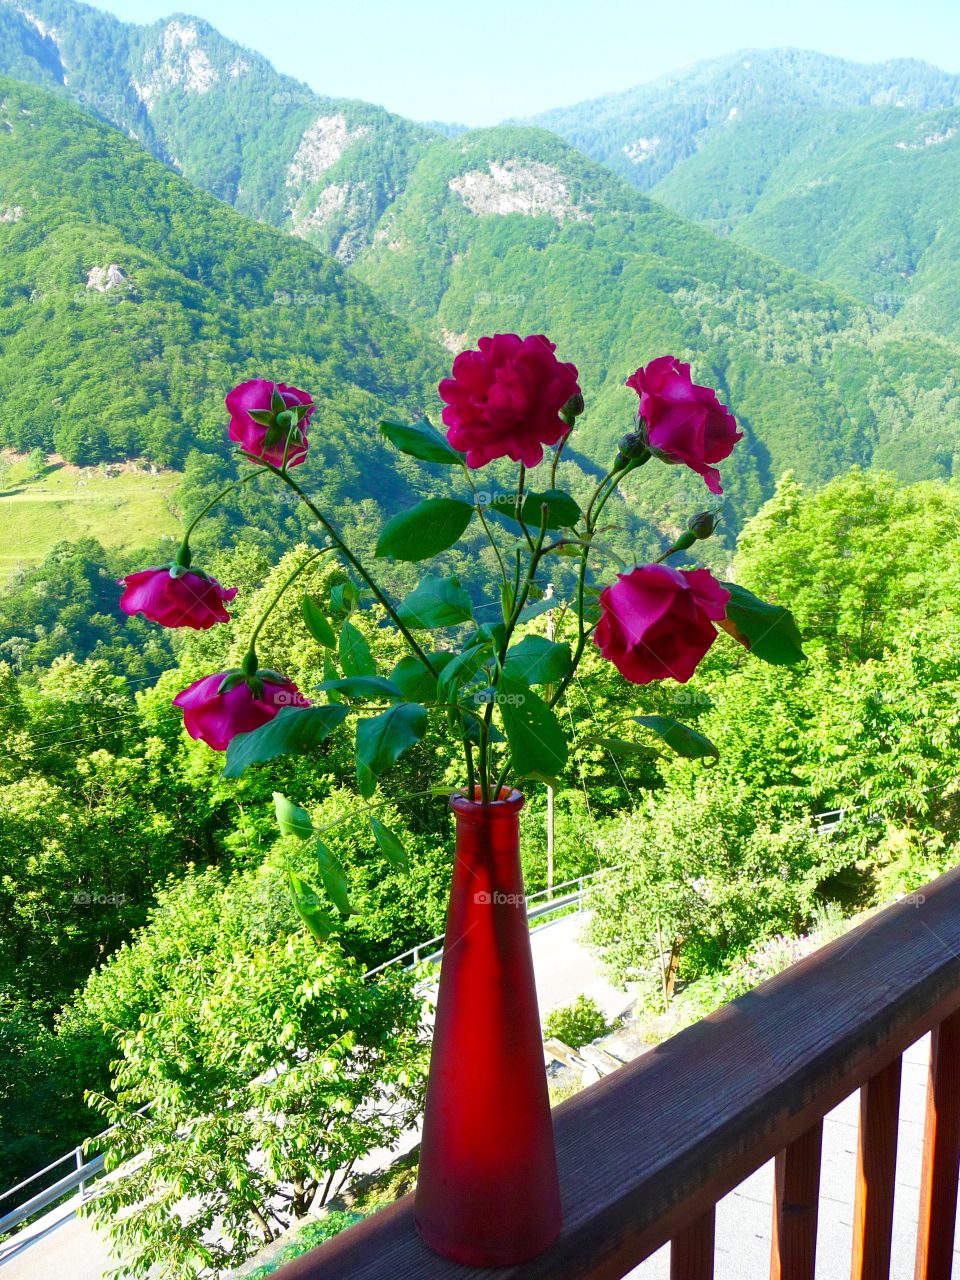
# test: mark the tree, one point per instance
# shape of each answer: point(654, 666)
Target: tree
point(702, 878)
point(270, 1073)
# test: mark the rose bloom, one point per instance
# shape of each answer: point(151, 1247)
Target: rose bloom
point(685, 423)
point(188, 600)
point(256, 396)
point(504, 400)
point(657, 622)
point(216, 718)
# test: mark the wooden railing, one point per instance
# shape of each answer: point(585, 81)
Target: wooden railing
point(646, 1153)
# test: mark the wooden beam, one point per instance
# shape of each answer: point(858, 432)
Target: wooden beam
point(876, 1174)
point(796, 1204)
point(692, 1251)
point(941, 1155)
point(650, 1149)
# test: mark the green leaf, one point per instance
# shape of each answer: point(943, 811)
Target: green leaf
point(317, 624)
point(330, 674)
point(291, 819)
point(414, 681)
point(382, 739)
point(306, 901)
point(294, 731)
point(344, 598)
point(425, 530)
point(364, 687)
point(355, 656)
point(538, 661)
point(767, 630)
point(562, 510)
point(422, 441)
point(460, 671)
point(390, 845)
point(680, 737)
point(538, 748)
point(436, 602)
point(538, 607)
point(334, 879)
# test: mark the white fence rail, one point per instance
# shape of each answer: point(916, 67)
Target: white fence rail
point(539, 905)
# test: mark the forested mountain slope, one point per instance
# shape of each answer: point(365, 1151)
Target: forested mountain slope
point(847, 172)
point(221, 115)
point(130, 302)
point(513, 229)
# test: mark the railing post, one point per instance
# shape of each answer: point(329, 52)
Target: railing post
point(793, 1255)
point(941, 1155)
point(876, 1174)
point(692, 1251)
point(78, 1152)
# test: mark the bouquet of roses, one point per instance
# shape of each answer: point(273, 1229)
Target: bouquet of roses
point(509, 398)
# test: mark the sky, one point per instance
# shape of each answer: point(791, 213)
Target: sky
point(481, 63)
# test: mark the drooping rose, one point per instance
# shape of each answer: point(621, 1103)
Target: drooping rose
point(504, 399)
point(216, 718)
point(262, 439)
point(657, 623)
point(188, 599)
point(684, 422)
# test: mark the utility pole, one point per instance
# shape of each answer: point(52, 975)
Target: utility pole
point(550, 822)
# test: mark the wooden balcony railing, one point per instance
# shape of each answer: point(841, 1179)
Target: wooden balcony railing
point(647, 1152)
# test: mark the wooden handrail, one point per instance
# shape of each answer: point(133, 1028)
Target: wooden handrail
point(646, 1153)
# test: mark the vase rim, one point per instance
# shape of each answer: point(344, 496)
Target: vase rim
point(509, 801)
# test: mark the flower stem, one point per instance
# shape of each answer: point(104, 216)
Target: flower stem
point(354, 563)
point(220, 496)
point(251, 646)
point(483, 521)
point(358, 567)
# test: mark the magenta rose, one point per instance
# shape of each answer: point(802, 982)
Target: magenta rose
point(216, 718)
point(263, 435)
point(188, 599)
point(657, 622)
point(504, 400)
point(684, 423)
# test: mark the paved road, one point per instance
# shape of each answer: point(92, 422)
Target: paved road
point(63, 1245)
point(70, 1248)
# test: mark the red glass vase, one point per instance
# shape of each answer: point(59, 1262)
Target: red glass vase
point(487, 1190)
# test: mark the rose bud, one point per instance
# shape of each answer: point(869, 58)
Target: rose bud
point(264, 414)
point(684, 422)
point(703, 524)
point(216, 708)
point(176, 597)
point(657, 622)
point(572, 409)
point(632, 448)
point(505, 399)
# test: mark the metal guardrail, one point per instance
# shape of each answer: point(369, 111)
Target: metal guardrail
point(425, 952)
point(432, 950)
point(85, 1171)
point(429, 952)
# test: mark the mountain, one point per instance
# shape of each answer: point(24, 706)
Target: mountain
point(486, 230)
point(323, 168)
point(844, 171)
point(130, 301)
point(514, 229)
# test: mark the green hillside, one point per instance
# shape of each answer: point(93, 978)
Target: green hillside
point(121, 508)
point(514, 229)
point(644, 133)
point(220, 114)
point(846, 172)
point(129, 302)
